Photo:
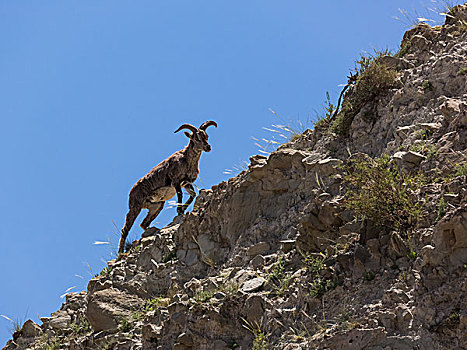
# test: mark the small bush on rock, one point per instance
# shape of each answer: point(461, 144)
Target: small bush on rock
point(319, 285)
point(461, 169)
point(259, 336)
point(125, 325)
point(373, 79)
point(278, 278)
point(379, 191)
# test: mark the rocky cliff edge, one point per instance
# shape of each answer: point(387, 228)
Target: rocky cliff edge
point(351, 236)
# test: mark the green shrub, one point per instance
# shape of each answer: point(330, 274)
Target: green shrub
point(380, 192)
point(203, 296)
point(319, 285)
point(373, 79)
point(442, 208)
point(427, 149)
point(460, 169)
point(155, 303)
point(81, 325)
point(322, 123)
point(368, 276)
point(412, 255)
point(427, 85)
point(170, 256)
point(259, 336)
point(48, 342)
point(125, 325)
point(278, 278)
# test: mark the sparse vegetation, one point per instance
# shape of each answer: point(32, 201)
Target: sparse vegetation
point(442, 208)
point(137, 315)
point(16, 324)
point(319, 285)
point(423, 134)
point(345, 321)
point(80, 326)
point(434, 13)
point(368, 276)
point(105, 271)
point(373, 78)
point(155, 303)
point(203, 296)
point(412, 255)
point(259, 340)
point(125, 325)
point(404, 49)
point(286, 131)
point(380, 192)
point(403, 275)
point(48, 342)
point(426, 85)
point(460, 169)
point(427, 149)
point(229, 288)
point(462, 71)
point(170, 256)
point(322, 123)
point(278, 278)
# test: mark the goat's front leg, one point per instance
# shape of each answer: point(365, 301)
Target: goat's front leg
point(180, 210)
point(191, 191)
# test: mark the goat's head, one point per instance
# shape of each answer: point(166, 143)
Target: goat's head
point(199, 137)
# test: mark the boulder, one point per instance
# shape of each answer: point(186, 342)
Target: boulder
point(106, 308)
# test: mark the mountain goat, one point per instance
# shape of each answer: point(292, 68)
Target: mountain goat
point(167, 178)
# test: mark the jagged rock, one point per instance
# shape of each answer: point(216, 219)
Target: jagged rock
point(404, 318)
point(395, 296)
point(151, 332)
point(257, 261)
point(106, 308)
point(285, 225)
point(30, 329)
point(356, 339)
point(408, 160)
point(253, 285)
point(287, 245)
point(323, 168)
point(388, 320)
point(430, 126)
point(260, 248)
point(457, 13)
point(396, 63)
point(185, 339)
point(450, 238)
point(60, 320)
point(398, 246)
point(254, 309)
point(431, 256)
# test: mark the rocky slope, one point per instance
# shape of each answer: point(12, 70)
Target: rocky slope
point(307, 249)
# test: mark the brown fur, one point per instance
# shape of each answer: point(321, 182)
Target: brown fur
point(165, 179)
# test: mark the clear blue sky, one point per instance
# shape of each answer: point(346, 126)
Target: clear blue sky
point(91, 92)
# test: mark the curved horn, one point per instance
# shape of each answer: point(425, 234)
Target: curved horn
point(187, 126)
point(208, 123)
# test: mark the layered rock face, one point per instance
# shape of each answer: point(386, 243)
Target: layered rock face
point(278, 258)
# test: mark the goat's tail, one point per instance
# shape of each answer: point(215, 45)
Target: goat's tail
point(130, 219)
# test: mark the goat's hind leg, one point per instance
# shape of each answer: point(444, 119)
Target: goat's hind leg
point(154, 210)
point(130, 219)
